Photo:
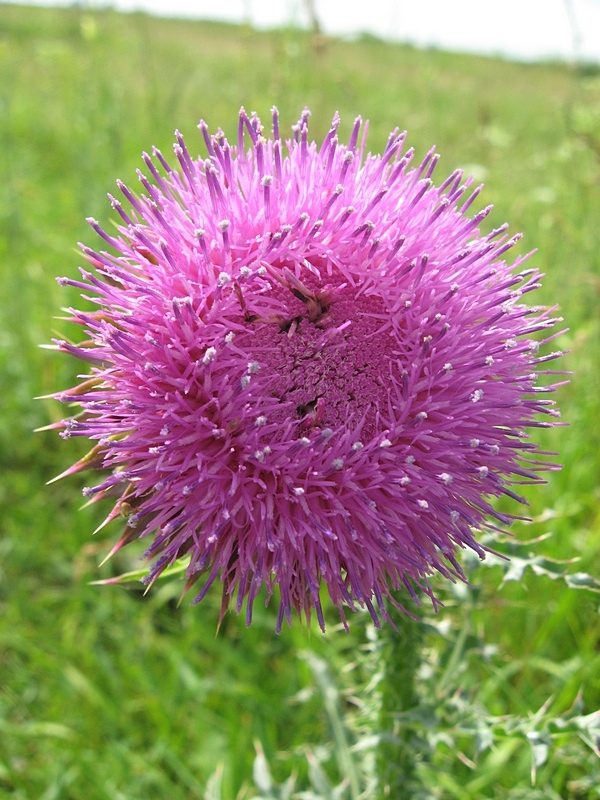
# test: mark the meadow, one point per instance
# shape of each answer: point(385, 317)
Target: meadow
point(107, 694)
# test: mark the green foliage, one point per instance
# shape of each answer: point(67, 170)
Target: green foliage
point(108, 694)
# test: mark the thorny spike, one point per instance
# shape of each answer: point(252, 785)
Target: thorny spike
point(157, 154)
point(423, 166)
point(354, 134)
point(203, 127)
point(154, 171)
point(275, 118)
point(241, 123)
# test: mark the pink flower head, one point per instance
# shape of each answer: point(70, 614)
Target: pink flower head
point(307, 367)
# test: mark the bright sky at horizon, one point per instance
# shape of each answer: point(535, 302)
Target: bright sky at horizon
point(522, 29)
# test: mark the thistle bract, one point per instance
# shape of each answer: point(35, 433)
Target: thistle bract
point(307, 368)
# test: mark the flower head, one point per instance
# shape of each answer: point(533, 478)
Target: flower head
point(307, 367)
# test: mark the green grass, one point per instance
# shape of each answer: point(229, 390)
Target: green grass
point(105, 694)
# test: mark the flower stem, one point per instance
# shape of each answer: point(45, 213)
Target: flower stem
point(400, 657)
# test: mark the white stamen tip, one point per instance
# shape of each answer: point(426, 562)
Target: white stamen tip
point(209, 355)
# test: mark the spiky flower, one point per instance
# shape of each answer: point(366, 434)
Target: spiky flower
point(307, 367)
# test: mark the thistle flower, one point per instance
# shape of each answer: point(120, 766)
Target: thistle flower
point(308, 368)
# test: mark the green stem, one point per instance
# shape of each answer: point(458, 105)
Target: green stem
point(400, 654)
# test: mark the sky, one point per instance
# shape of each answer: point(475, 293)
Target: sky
point(522, 29)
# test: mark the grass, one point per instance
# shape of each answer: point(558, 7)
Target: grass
point(108, 695)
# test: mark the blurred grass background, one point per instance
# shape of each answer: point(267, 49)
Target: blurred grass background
point(105, 694)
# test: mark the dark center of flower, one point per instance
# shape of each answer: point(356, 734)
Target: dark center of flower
point(326, 355)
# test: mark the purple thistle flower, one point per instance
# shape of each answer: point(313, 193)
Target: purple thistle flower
point(307, 366)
